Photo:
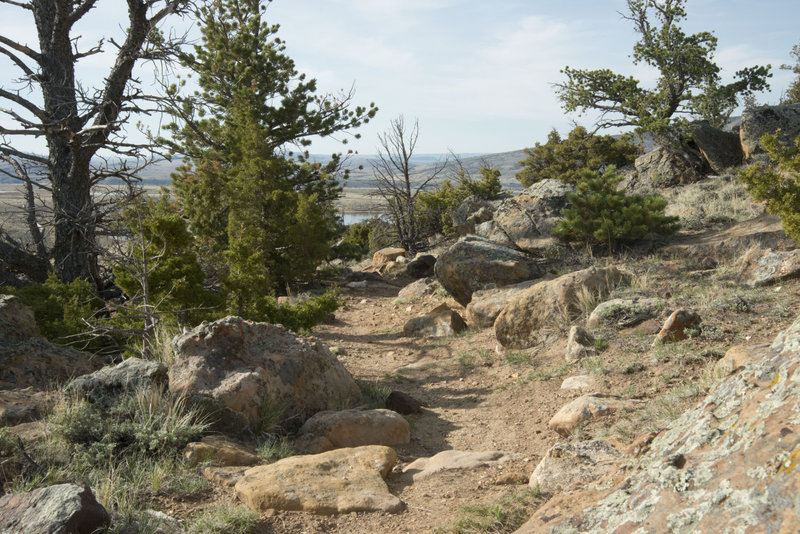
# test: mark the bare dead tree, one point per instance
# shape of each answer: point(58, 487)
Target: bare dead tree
point(78, 121)
point(397, 185)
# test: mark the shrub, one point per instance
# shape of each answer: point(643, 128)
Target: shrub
point(565, 159)
point(599, 214)
point(300, 317)
point(60, 308)
point(778, 184)
point(435, 208)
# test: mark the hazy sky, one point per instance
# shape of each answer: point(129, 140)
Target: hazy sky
point(477, 74)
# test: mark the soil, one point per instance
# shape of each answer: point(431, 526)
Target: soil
point(479, 397)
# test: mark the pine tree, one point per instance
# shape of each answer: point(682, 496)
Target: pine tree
point(263, 217)
point(600, 214)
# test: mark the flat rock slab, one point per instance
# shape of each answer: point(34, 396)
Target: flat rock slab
point(335, 482)
point(566, 464)
point(19, 406)
point(454, 461)
point(354, 428)
point(59, 509)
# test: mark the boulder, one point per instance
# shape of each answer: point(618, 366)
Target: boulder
point(385, 255)
point(727, 464)
point(580, 383)
point(523, 321)
point(722, 150)
point(59, 509)
point(756, 122)
point(220, 451)
point(528, 219)
point(486, 304)
point(663, 168)
point(494, 233)
point(772, 267)
point(580, 410)
point(471, 212)
point(439, 322)
point(475, 263)
point(354, 428)
point(675, 326)
point(403, 403)
point(335, 482)
point(580, 344)
point(451, 460)
point(105, 385)
point(566, 464)
point(624, 313)
point(417, 290)
point(242, 365)
point(421, 266)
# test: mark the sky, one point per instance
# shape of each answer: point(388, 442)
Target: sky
point(477, 75)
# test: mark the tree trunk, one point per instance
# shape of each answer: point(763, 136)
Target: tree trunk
point(73, 251)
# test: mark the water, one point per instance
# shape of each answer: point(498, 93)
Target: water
point(352, 218)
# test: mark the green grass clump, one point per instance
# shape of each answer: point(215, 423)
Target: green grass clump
point(517, 357)
point(506, 514)
point(225, 520)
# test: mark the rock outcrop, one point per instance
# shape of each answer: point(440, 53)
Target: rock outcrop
point(728, 464)
point(721, 150)
point(756, 122)
point(241, 365)
point(662, 168)
point(527, 219)
point(522, 322)
point(475, 263)
point(486, 304)
point(772, 267)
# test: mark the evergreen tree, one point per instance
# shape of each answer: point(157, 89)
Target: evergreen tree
point(262, 217)
point(689, 82)
point(600, 214)
point(792, 95)
point(564, 159)
point(778, 183)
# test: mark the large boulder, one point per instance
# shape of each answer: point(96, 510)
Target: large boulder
point(335, 482)
point(720, 149)
point(27, 360)
point(421, 266)
point(759, 121)
point(243, 365)
point(107, 384)
point(521, 323)
point(728, 464)
point(59, 509)
point(475, 263)
point(528, 219)
point(624, 313)
point(470, 213)
point(663, 168)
